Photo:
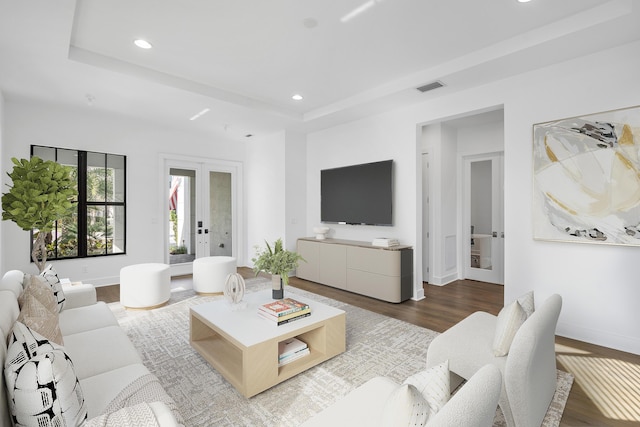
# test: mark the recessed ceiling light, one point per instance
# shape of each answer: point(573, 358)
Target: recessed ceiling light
point(524, 1)
point(297, 97)
point(142, 44)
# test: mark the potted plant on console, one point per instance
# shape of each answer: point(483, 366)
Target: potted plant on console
point(278, 262)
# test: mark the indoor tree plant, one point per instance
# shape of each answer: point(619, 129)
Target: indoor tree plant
point(278, 262)
point(42, 193)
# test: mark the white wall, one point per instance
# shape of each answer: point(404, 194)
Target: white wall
point(266, 200)
point(295, 191)
point(598, 284)
point(86, 129)
point(2, 156)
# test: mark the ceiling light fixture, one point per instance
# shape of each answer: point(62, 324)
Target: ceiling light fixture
point(198, 115)
point(524, 1)
point(297, 97)
point(142, 44)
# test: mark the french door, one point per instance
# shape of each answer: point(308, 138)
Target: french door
point(483, 218)
point(201, 205)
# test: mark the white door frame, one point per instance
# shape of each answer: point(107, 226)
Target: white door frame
point(496, 274)
point(204, 166)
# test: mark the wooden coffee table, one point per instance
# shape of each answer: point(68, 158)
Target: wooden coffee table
point(243, 346)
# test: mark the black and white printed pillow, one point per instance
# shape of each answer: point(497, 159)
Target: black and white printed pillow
point(42, 386)
point(51, 277)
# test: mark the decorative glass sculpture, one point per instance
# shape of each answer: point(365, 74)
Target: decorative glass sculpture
point(234, 288)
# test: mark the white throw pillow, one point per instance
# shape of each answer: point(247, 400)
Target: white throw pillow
point(42, 387)
point(527, 303)
point(405, 407)
point(52, 278)
point(434, 385)
point(509, 321)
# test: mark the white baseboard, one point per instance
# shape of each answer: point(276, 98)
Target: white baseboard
point(598, 337)
point(444, 280)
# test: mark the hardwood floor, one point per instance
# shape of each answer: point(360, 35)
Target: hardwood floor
point(606, 391)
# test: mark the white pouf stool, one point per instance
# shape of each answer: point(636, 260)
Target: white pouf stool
point(145, 286)
point(210, 273)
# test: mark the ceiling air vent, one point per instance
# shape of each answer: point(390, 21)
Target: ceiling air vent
point(430, 86)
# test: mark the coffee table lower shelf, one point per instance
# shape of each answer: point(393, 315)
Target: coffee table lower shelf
point(254, 368)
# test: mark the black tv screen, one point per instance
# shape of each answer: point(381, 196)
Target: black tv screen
point(358, 194)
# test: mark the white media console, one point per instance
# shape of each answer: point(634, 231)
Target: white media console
point(378, 272)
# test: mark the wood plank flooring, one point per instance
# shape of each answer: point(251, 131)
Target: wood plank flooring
point(606, 391)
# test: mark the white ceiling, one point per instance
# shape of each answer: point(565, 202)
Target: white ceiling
point(243, 59)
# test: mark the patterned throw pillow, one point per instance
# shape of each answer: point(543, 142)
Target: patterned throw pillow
point(39, 309)
point(509, 321)
point(405, 407)
point(527, 303)
point(434, 385)
point(51, 277)
point(42, 387)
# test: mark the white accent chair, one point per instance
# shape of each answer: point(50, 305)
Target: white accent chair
point(528, 370)
point(145, 286)
point(210, 273)
point(474, 405)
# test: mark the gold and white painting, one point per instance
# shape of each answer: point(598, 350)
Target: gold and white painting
point(587, 178)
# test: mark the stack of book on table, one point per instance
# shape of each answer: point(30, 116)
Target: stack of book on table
point(290, 350)
point(284, 311)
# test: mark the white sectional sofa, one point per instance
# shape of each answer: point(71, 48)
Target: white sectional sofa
point(113, 381)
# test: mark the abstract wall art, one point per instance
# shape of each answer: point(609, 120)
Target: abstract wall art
point(586, 178)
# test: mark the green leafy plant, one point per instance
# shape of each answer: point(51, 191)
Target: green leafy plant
point(42, 192)
point(276, 261)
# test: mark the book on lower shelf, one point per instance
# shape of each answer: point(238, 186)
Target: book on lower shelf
point(290, 350)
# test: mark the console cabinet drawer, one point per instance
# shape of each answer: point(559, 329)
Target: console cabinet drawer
point(376, 261)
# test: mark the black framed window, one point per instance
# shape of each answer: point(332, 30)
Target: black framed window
point(98, 226)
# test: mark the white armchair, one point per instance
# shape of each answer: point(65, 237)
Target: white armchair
point(474, 405)
point(528, 370)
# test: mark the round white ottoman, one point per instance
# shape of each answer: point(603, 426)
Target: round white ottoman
point(145, 286)
point(210, 273)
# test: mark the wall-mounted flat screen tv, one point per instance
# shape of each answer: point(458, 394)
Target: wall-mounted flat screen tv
point(358, 194)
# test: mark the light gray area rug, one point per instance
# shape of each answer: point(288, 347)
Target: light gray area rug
point(376, 345)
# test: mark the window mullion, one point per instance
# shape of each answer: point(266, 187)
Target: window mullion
point(82, 203)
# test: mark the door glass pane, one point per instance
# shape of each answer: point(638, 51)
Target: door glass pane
point(220, 217)
point(182, 222)
point(481, 214)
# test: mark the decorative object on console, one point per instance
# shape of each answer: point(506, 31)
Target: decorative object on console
point(234, 288)
point(586, 185)
point(321, 232)
point(44, 187)
point(278, 262)
point(385, 242)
